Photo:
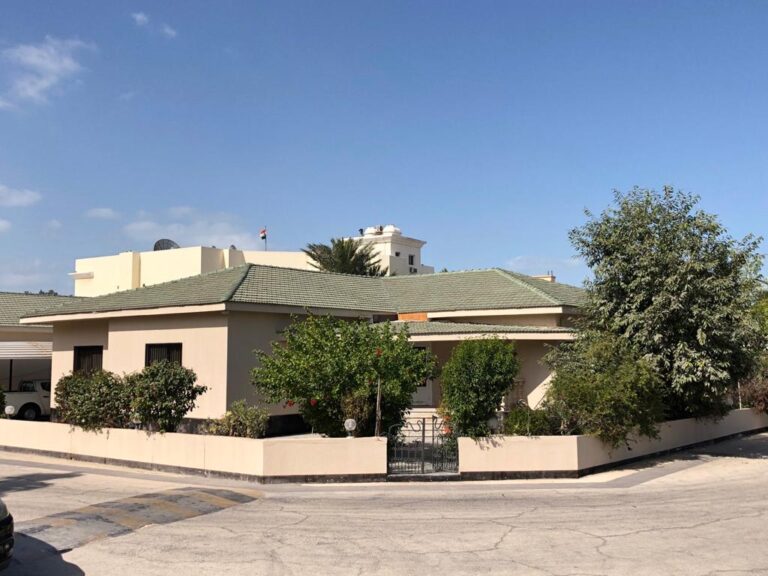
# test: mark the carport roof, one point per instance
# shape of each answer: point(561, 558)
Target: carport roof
point(491, 289)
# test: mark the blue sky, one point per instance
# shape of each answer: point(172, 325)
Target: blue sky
point(484, 128)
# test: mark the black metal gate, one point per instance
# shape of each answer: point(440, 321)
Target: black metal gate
point(422, 446)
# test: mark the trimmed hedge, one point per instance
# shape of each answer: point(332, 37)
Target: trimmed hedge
point(156, 399)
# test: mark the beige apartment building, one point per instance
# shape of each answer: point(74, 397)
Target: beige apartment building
point(400, 255)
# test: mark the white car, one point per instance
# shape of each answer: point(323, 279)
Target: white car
point(32, 400)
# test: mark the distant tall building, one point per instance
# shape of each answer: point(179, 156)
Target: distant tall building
point(400, 254)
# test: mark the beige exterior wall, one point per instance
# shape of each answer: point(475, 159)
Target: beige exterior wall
point(66, 336)
point(204, 349)
point(166, 265)
point(514, 454)
point(268, 458)
point(248, 332)
point(279, 259)
point(109, 274)
point(534, 374)
point(519, 454)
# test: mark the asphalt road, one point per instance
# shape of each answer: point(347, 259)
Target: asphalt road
point(701, 512)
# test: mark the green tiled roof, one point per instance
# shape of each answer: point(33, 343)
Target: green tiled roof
point(433, 328)
point(211, 288)
point(307, 288)
point(256, 284)
point(491, 289)
point(14, 305)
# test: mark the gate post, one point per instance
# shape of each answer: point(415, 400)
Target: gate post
point(423, 441)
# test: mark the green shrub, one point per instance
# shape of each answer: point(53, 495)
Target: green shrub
point(162, 395)
point(602, 387)
point(2, 404)
point(754, 390)
point(93, 400)
point(329, 368)
point(240, 420)
point(524, 421)
point(475, 379)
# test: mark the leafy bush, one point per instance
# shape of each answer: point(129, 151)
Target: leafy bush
point(93, 400)
point(329, 368)
point(475, 379)
point(2, 404)
point(602, 387)
point(524, 421)
point(754, 390)
point(162, 394)
point(240, 420)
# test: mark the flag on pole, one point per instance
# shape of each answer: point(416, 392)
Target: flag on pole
point(263, 234)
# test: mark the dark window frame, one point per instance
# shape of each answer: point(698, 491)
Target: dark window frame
point(84, 358)
point(155, 352)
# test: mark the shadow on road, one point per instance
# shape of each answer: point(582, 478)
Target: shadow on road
point(31, 481)
point(33, 557)
point(755, 447)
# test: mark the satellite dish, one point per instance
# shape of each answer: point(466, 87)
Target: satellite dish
point(165, 244)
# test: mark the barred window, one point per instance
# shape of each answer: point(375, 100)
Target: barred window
point(158, 352)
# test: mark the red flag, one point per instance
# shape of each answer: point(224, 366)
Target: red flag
point(263, 234)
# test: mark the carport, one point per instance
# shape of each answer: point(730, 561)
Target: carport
point(21, 361)
point(25, 350)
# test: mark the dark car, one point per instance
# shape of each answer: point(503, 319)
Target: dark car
point(6, 536)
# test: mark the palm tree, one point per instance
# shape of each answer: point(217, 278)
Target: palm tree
point(346, 256)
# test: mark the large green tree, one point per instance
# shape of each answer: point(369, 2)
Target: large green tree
point(670, 280)
point(330, 369)
point(345, 256)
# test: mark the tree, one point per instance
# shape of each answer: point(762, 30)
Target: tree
point(671, 281)
point(345, 256)
point(601, 386)
point(475, 379)
point(330, 368)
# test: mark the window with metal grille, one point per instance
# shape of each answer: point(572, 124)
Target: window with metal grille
point(158, 352)
point(88, 358)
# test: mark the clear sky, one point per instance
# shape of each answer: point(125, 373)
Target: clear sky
point(484, 128)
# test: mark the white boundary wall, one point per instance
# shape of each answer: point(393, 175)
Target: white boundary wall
point(271, 459)
point(522, 456)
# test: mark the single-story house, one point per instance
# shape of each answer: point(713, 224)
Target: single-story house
point(213, 322)
point(25, 350)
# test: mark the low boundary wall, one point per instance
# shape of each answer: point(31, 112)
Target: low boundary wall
point(509, 457)
point(289, 459)
point(314, 459)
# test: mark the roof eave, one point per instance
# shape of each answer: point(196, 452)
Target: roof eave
point(106, 314)
point(540, 336)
